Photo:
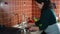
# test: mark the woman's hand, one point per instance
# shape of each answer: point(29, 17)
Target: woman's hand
point(34, 28)
point(30, 24)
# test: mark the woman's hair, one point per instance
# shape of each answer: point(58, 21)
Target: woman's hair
point(47, 3)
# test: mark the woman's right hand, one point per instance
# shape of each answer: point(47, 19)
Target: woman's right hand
point(32, 27)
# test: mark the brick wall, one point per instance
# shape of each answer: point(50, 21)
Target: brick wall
point(57, 10)
point(35, 10)
point(14, 9)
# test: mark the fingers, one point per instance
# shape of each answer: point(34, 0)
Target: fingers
point(34, 29)
point(30, 24)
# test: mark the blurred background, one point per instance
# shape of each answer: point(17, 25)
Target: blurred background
point(12, 11)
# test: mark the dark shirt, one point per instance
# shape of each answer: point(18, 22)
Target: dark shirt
point(47, 15)
point(47, 18)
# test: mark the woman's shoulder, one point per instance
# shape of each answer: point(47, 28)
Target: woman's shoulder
point(46, 9)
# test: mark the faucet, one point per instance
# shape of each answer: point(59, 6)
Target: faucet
point(24, 24)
